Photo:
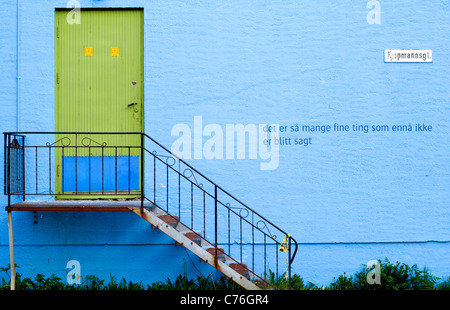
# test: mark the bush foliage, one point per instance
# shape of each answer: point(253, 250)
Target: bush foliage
point(394, 276)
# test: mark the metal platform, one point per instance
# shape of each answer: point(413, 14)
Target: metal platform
point(77, 205)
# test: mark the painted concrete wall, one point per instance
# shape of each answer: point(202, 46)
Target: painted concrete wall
point(348, 197)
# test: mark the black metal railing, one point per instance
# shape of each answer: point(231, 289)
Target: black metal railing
point(135, 166)
point(74, 164)
point(14, 167)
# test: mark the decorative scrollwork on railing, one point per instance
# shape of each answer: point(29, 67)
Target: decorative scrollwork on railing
point(192, 176)
point(247, 212)
point(15, 144)
point(169, 160)
point(89, 141)
point(61, 141)
point(261, 225)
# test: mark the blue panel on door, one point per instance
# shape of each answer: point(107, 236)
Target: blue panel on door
point(108, 173)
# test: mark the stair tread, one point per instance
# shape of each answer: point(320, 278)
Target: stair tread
point(192, 235)
point(212, 251)
point(239, 268)
point(169, 218)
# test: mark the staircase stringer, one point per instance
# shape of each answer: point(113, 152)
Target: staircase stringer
point(180, 239)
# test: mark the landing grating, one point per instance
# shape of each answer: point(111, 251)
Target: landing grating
point(77, 205)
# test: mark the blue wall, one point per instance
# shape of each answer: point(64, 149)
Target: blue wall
point(347, 198)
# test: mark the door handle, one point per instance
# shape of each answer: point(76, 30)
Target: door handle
point(131, 104)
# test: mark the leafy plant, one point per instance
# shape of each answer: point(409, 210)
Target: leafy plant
point(122, 285)
point(343, 283)
point(444, 285)
point(394, 276)
point(201, 283)
point(397, 276)
point(282, 283)
point(92, 282)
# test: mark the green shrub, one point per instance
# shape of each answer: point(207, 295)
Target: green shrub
point(394, 276)
point(282, 283)
point(342, 283)
point(444, 285)
point(201, 283)
point(398, 276)
point(91, 282)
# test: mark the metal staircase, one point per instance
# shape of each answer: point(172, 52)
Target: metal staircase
point(146, 178)
point(182, 235)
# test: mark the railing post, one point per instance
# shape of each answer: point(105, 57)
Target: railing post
point(8, 169)
point(142, 170)
point(23, 167)
point(215, 223)
point(289, 260)
point(4, 164)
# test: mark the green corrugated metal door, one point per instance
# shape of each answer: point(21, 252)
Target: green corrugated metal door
point(98, 88)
